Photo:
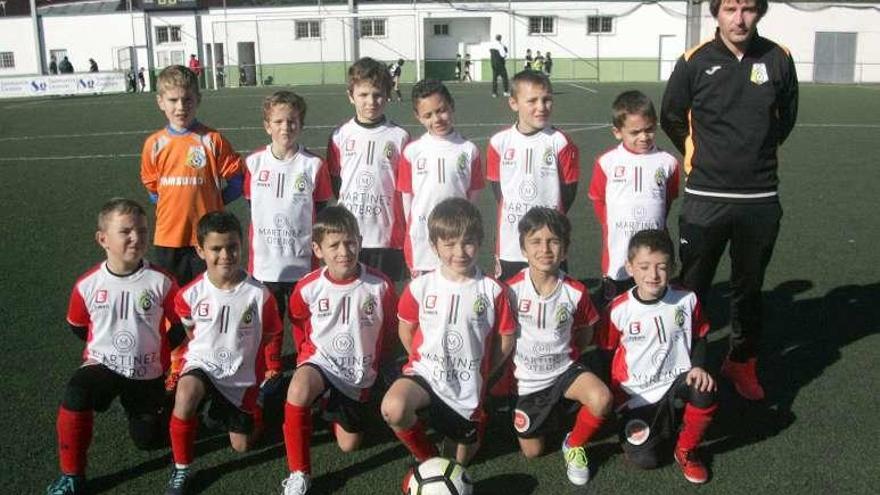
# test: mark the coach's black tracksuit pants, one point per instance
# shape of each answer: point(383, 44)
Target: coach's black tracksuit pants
point(705, 228)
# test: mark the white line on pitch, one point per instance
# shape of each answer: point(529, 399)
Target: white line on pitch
point(590, 90)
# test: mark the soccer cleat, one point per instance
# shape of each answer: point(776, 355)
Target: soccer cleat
point(691, 466)
point(744, 378)
point(576, 462)
point(178, 481)
point(296, 484)
point(68, 484)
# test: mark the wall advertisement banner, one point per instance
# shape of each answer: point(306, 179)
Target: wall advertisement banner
point(67, 84)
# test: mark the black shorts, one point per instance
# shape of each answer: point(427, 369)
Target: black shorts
point(386, 260)
point(217, 410)
point(443, 418)
point(644, 429)
point(543, 411)
point(281, 292)
point(339, 408)
point(93, 387)
point(183, 262)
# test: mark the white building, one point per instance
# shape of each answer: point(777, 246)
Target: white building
point(312, 41)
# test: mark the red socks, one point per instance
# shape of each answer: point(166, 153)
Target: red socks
point(694, 425)
point(585, 426)
point(74, 437)
point(297, 437)
point(183, 439)
point(416, 440)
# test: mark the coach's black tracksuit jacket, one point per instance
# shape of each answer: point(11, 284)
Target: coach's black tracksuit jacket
point(728, 116)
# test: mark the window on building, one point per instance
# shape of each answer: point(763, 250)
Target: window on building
point(167, 34)
point(441, 29)
point(308, 30)
point(170, 57)
point(597, 24)
point(542, 25)
point(372, 28)
point(7, 60)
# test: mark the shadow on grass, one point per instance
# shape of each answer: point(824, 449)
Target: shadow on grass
point(514, 483)
point(802, 338)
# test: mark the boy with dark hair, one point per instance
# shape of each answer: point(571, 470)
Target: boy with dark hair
point(441, 164)
point(457, 326)
point(555, 323)
point(657, 335)
point(363, 156)
point(632, 186)
point(118, 308)
point(531, 163)
point(286, 185)
point(234, 338)
point(343, 317)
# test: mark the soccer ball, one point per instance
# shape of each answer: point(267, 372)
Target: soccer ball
point(438, 476)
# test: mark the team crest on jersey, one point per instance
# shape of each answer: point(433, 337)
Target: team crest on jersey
point(249, 314)
point(453, 341)
point(388, 151)
point(196, 157)
point(123, 341)
point(521, 421)
point(528, 190)
point(145, 301)
point(481, 304)
point(563, 314)
point(549, 157)
point(301, 184)
point(759, 74)
point(343, 344)
point(369, 306)
point(365, 181)
point(462, 163)
point(525, 305)
point(679, 316)
point(101, 296)
point(659, 177)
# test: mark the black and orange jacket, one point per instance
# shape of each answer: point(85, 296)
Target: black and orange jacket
point(729, 116)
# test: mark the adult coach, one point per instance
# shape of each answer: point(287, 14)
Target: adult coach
point(498, 54)
point(729, 103)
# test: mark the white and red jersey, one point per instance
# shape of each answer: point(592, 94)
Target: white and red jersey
point(531, 170)
point(341, 326)
point(547, 326)
point(283, 194)
point(366, 160)
point(457, 324)
point(433, 169)
point(651, 342)
point(236, 335)
point(630, 192)
point(125, 319)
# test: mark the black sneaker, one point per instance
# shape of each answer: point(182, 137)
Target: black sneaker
point(67, 484)
point(178, 481)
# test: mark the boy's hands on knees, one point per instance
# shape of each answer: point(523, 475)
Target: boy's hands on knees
point(700, 379)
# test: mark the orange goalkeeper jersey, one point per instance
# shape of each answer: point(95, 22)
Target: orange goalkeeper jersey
point(187, 171)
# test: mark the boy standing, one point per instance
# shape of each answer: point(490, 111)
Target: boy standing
point(118, 308)
point(456, 325)
point(363, 156)
point(183, 167)
point(657, 334)
point(529, 164)
point(441, 164)
point(234, 337)
point(343, 315)
point(286, 186)
point(395, 70)
point(555, 323)
point(632, 186)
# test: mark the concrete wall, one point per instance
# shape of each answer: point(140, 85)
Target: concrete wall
point(92, 36)
point(17, 36)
